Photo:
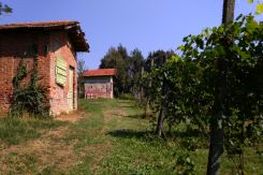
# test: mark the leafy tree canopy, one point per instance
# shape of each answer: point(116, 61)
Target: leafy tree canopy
point(128, 68)
point(5, 8)
point(185, 87)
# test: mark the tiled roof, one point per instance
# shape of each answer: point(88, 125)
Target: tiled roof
point(72, 27)
point(47, 24)
point(100, 72)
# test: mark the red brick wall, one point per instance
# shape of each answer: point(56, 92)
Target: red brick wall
point(6, 74)
point(61, 48)
point(14, 45)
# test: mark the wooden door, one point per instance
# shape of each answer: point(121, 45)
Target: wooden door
point(71, 90)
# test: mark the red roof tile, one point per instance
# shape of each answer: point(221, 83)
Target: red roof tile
point(100, 72)
point(46, 24)
point(71, 27)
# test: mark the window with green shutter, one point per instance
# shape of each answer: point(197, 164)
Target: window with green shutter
point(61, 71)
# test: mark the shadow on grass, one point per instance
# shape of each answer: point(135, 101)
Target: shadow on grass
point(128, 134)
point(184, 139)
point(127, 106)
point(136, 116)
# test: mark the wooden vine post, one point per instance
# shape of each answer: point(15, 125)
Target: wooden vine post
point(216, 126)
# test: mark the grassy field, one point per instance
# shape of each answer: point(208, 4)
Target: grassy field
point(110, 138)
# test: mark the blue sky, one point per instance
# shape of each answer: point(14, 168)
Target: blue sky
point(145, 24)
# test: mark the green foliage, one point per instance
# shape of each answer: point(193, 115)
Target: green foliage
point(183, 95)
point(187, 86)
point(117, 58)
point(31, 98)
point(240, 46)
point(81, 68)
point(5, 8)
point(259, 8)
point(135, 65)
point(128, 68)
point(184, 164)
point(154, 60)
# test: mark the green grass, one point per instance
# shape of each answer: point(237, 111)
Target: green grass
point(22, 163)
point(89, 134)
point(136, 151)
point(111, 138)
point(15, 131)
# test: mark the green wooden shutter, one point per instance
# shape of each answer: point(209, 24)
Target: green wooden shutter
point(61, 71)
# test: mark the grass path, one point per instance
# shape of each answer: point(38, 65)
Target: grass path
point(109, 138)
point(106, 117)
point(34, 146)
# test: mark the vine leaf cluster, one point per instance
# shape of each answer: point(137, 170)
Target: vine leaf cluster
point(191, 78)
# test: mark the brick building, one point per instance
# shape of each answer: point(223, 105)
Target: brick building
point(99, 83)
point(54, 46)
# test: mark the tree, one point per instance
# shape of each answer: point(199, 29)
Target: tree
point(81, 68)
point(156, 60)
point(216, 148)
point(135, 64)
point(128, 68)
point(5, 8)
point(118, 58)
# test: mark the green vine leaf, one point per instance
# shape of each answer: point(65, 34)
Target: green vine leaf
point(259, 8)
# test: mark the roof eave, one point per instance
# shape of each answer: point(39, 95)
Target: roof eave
point(73, 29)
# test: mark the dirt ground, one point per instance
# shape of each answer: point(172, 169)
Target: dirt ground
point(71, 117)
point(50, 150)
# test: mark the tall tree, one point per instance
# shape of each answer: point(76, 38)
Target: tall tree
point(135, 64)
point(128, 68)
point(81, 68)
point(216, 148)
point(117, 58)
point(5, 8)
